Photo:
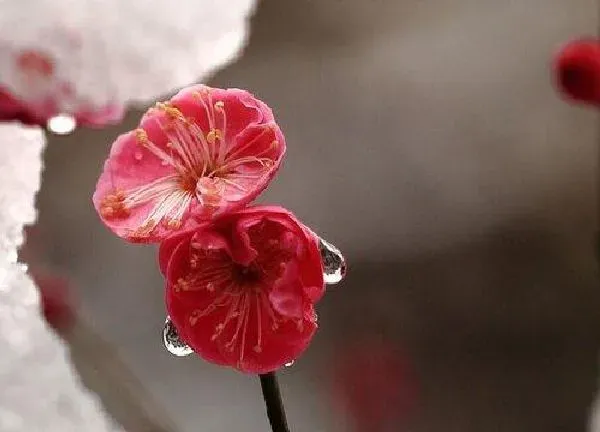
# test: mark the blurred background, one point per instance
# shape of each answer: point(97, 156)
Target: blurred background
point(425, 140)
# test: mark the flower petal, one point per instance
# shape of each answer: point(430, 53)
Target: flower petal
point(167, 247)
point(286, 295)
point(208, 351)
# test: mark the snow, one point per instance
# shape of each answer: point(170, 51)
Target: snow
point(40, 392)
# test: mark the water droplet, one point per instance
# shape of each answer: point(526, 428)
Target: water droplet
point(61, 124)
point(289, 364)
point(334, 264)
point(138, 156)
point(172, 342)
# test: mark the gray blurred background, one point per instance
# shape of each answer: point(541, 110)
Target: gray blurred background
point(426, 141)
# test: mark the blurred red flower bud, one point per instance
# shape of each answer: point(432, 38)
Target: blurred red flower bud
point(576, 71)
point(56, 299)
point(375, 385)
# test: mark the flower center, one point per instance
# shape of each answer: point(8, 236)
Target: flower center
point(187, 183)
point(247, 276)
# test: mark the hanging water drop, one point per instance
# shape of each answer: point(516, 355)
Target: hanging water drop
point(172, 342)
point(61, 124)
point(334, 264)
point(289, 364)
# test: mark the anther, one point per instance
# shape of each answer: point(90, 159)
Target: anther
point(173, 223)
point(170, 110)
point(141, 136)
point(213, 135)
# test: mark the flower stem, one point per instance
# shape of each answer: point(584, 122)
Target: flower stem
point(272, 396)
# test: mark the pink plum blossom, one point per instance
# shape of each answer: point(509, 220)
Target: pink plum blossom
point(204, 153)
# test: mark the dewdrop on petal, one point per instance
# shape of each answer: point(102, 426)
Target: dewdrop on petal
point(334, 263)
point(172, 342)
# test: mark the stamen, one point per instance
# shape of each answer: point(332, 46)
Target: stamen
point(150, 191)
point(267, 305)
point(238, 150)
point(192, 151)
point(199, 96)
point(171, 204)
point(218, 277)
point(197, 282)
point(231, 314)
point(245, 176)
point(233, 184)
point(213, 136)
point(216, 303)
point(209, 109)
point(220, 108)
point(170, 209)
point(215, 133)
point(264, 162)
point(197, 134)
point(142, 138)
point(240, 322)
point(142, 232)
point(244, 329)
point(112, 206)
point(175, 144)
point(258, 346)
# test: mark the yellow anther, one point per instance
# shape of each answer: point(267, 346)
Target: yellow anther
point(213, 135)
point(174, 224)
point(170, 110)
point(141, 136)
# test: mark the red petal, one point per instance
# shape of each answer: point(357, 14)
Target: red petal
point(197, 336)
point(167, 248)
